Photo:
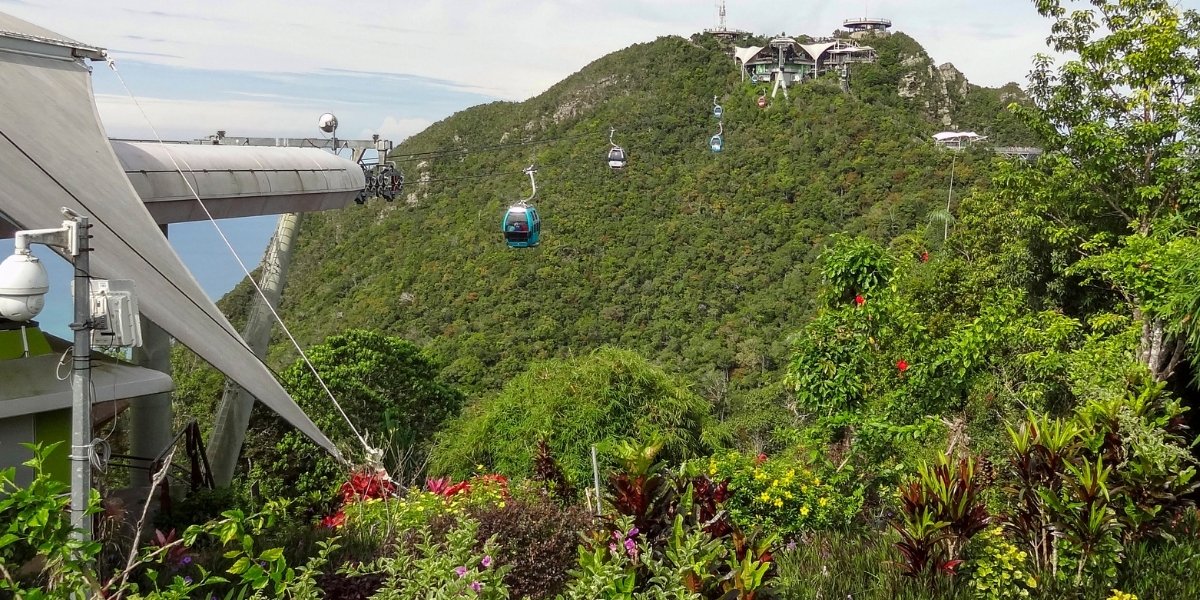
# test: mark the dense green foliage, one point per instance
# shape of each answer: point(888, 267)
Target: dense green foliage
point(604, 397)
point(387, 388)
point(701, 262)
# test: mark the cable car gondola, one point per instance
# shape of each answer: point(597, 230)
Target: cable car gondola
point(522, 227)
point(716, 143)
point(762, 99)
point(616, 155)
point(718, 112)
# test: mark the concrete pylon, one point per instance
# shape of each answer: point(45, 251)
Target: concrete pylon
point(151, 418)
point(233, 415)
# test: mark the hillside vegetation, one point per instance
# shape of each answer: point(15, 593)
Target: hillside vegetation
point(702, 262)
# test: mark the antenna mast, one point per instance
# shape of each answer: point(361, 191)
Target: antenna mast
point(721, 14)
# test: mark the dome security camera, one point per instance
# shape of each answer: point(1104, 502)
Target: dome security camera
point(23, 287)
point(327, 123)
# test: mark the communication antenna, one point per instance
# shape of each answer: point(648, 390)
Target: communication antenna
point(721, 15)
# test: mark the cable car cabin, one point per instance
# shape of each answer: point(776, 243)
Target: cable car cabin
point(762, 101)
point(716, 143)
point(718, 112)
point(522, 227)
point(616, 158)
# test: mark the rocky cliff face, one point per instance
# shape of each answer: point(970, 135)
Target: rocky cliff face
point(940, 88)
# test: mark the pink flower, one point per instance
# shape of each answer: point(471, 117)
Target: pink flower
point(633, 532)
point(612, 548)
point(461, 572)
point(475, 585)
point(487, 561)
point(630, 546)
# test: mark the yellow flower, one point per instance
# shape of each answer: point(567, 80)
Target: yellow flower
point(817, 481)
point(765, 497)
point(712, 467)
point(804, 511)
point(775, 483)
point(759, 475)
point(778, 503)
point(823, 501)
point(787, 494)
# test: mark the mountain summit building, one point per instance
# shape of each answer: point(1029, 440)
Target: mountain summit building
point(786, 62)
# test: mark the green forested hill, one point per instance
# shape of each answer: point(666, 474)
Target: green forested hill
point(700, 261)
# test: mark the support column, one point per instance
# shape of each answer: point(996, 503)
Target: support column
point(151, 418)
point(233, 415)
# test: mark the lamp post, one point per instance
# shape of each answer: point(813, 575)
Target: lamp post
point(23, 285)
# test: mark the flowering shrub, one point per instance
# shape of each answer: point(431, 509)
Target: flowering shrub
point(1001, 571)
point(436, 570)
point(364, 485)
point(537, 537)
point(781, 495)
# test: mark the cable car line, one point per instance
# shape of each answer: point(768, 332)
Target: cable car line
point(417, 156)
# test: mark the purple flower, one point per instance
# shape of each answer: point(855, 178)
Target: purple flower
point(475, 585)
point(187, 580)
point(633, 532)
point(186, 560)
point(612, 548)
point(487, 561)
point(460, 571)
point(617, 535)
point(630, 546)
point(791, 546)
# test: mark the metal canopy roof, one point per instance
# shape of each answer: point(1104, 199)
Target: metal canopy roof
point(236, 181)
point(31, 385)
point(24, 37)
point(47, 100)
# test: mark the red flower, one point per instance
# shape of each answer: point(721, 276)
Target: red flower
point(902, 365)
point(761, 458)
point(335, 520)
point(859, 300)
point(924, 257)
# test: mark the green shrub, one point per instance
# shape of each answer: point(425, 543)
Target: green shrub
point(572, 404)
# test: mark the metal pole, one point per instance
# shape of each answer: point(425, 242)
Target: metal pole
point(596, 479)
point(81, 387)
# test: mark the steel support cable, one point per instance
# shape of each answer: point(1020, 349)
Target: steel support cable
point(372, 453)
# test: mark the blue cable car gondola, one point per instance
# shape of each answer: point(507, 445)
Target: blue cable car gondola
point(522, 227)
point(616, 154)
point(718, 112)
point(717, 142)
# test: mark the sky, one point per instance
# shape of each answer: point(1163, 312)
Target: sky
point(272, 67)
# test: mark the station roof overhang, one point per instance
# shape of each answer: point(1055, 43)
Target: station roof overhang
point(32, 385)
point(236, 181)
point(47, 99)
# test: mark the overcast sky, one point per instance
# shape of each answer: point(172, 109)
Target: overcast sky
point(270, 67)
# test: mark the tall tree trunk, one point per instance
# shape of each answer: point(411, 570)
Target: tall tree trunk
point(1160, 351)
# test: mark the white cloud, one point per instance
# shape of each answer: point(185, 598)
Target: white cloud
point(397, 129)
point(182, 119)
point(510, 50)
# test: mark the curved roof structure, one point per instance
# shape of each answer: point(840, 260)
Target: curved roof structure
point(47, 98)
point(745, 54)
point(817, 50)
point(236, 181)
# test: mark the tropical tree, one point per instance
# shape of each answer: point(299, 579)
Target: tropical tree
point(1117, 187)
point(389, 391)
